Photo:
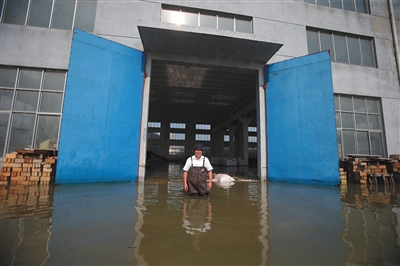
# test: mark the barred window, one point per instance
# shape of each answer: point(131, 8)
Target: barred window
point(344, 48)
point(177, 136)
point(176, 150)
point(55, 14)
point(177, 125)
point(203, 127)
point(252, 129)
point(203, 137)
point(360, 6)
point(359, 125)
point(252, 139)
point(154, 124)
point(30, 107)
point(206, 18)
point(226, 138)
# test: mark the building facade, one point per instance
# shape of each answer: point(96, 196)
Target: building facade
point(202, 75)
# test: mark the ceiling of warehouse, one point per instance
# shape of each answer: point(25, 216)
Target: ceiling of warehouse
point(202, 94)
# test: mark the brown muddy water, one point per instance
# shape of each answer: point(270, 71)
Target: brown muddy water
point(155, 223)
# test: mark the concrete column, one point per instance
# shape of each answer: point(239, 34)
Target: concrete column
point(244, 147)
point(190, 138)
point(262, 156)
point(232, 129)
point(144, 122)
point(164, 139)
point(214, 149)
point(238, 138)
point(221, 136)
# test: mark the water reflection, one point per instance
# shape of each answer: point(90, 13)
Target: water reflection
point(196, 217)
point(155, 223)
point(222, 229)
point(371, 224)
point(25, 217)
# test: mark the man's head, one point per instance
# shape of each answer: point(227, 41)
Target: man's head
point(198, 146)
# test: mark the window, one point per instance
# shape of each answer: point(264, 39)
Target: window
point(252, 129)
point(154, 124)
point(176, 136)
point(47, 131)
point(203, 137)
point(177, 125)
point(206, 19)
point(56, 14)
point(153, 135)
point(360, 6)
point(359, 125)
point(40, 12)
point(203, 127)
point(15, 12)
point(225, 23)
point(252, 139)
point(348, 49)
point(30, 109)
point(176, 150)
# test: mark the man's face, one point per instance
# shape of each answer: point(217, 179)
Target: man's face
point(198, 152)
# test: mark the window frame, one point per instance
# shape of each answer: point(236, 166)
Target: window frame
point(371, 40)
point(340, 129)
point(367, 5)
point(201, 12)
point(36, 113)
point(89, 28)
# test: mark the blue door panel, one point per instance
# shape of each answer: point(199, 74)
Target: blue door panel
point(100, 128)
point(301, 129)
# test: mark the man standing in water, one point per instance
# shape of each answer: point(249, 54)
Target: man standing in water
point(195, 173)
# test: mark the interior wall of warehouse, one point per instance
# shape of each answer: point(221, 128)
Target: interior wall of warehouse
point(49, 48)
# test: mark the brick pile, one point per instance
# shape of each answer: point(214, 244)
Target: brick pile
point(364, 169)
point(395, 167)
point(29, 166)
point(343, 176)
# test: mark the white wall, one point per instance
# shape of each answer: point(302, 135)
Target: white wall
point(283, 20)
point(34, 47)
point(391, 109)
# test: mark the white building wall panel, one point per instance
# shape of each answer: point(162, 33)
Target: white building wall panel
point(391, 109)
point(34, 47)
point(118, 21)
point(283, 20)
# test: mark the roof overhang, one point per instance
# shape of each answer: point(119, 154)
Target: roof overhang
point(206, 42)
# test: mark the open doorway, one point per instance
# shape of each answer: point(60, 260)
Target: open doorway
point(213, 105)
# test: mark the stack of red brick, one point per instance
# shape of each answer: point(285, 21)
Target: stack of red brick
point(29, 166)
point(359, 168)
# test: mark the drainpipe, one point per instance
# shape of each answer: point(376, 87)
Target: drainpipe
point(394, 33)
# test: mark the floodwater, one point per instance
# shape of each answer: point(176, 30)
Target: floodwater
point(154, 223)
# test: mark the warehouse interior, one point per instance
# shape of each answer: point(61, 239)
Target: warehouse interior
point(198, 103)
point(205, 85)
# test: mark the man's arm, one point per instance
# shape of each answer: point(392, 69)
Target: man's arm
point(210, 178)
point(185, 186)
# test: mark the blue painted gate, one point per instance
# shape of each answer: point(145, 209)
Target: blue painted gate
point(301, 129)
point(100, 128)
